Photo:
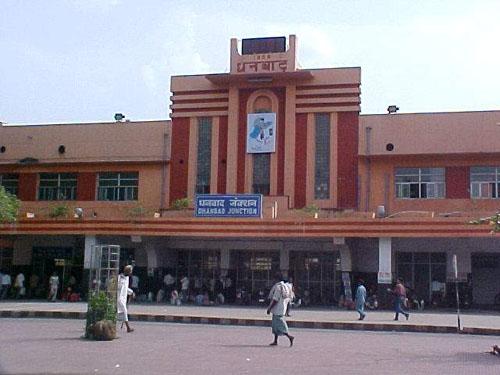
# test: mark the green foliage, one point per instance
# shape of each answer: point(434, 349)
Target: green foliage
point(101, 306)
point(311, 209)
point(180, 204)
point(9, 206)
point(137, 211)
point(61, 210)
point(493, 220)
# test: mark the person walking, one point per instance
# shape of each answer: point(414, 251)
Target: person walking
point(122, 293)
point(19, 286)
point(53, 286)
point(399, 292)
point(185, 289)
point(289, 285)
point(280, 297)
point(6, 283)
point(33, 284)
point(360, 299)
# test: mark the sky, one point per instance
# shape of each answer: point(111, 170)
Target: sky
point(70, 61)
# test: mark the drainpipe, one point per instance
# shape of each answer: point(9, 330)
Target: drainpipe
point(368, 130)
point(166, 140)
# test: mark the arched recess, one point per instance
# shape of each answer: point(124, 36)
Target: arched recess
point(260, 101)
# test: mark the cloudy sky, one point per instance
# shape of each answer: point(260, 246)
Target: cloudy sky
point(84, 60)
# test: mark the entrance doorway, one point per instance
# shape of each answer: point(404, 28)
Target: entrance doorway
point(485, 276)
point(65, 261)
point(419, 271)
point(254, 271)
point(316, 276)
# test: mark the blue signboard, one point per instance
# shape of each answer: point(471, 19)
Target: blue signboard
point(241, 205)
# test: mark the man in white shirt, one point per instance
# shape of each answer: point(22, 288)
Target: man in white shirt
point(122, 293)
point(281, 295)
point(19, 285)
point(184, 288)
point(53, 287)
point(169, 282)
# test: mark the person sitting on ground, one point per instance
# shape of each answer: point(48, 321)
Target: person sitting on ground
point(198, 300)
point(174, 298)
point(160, 296)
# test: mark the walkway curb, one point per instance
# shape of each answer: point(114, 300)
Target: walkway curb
point(353, 326)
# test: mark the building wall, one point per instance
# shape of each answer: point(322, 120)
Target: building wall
point(333, 91)
point(445, 133)
point(381, 190)
point(149, 197)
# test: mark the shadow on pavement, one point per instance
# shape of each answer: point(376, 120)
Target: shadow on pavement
point(245, 346)
point(482, 358)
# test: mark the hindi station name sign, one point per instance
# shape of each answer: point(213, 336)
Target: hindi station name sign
point(240, 205)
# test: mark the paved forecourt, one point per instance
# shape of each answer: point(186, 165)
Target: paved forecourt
point(432, 322)
point(32, 346)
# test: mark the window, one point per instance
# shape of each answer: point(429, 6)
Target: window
point(485, 182)
point(10, 182)
point(261, 174)
point(322, 157)
point(419, 270)
point(57, 187)
point(261, 169)
point(204, 155)
point(414, 183)
point(118, 186)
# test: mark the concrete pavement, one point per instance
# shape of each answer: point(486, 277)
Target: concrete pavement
point(50, 346)
point(472, 322)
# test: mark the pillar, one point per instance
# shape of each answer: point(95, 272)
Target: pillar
point(384, 270)
point(346, 269)
point(284, 262)
point(89, 242)
point(225, 256)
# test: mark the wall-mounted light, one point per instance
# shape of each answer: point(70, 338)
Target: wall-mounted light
point(119, 117)
point(78, 213)
point(30, 215)
point(392, 109)
point(157, 215)
point(62, 149)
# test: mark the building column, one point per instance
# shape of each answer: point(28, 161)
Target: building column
point(152, 256)
point(225, 256)
point(345, 268)
point(22, 251)
point(384, 270)
point(89, 242)
point(284, 262)
point(232, 143)
point(290, 144)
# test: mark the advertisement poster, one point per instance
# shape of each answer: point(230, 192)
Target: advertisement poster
point(261, 133)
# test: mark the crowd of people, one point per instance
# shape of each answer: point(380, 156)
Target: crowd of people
point(199, 291)
point(19, 287)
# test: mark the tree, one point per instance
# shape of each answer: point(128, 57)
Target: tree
point(493, 220)
point(9, 206)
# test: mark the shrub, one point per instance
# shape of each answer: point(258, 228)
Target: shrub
point(61, 210)
point(137, 211)
point(180, 204)
point(101, 307)
point(9, 206)
point(311, 209)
